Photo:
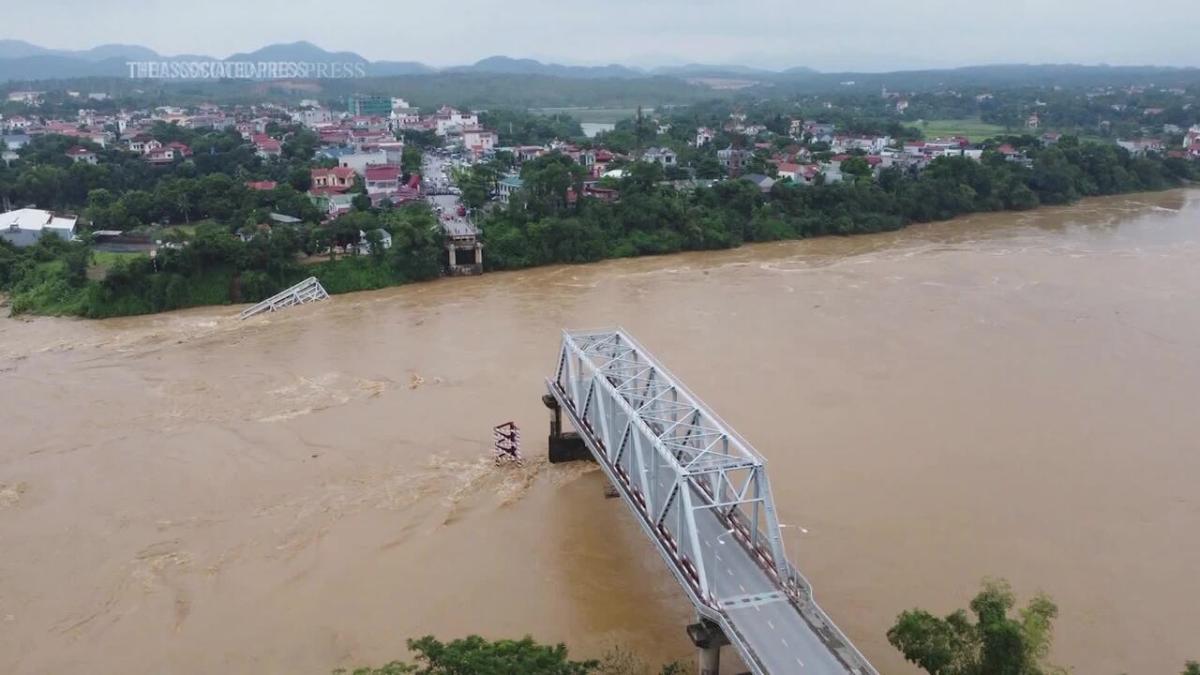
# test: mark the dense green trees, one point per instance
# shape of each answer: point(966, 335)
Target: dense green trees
point(993, 644)
point(124, 192)
point(542, 225)
point(520, 127)
point(474, 655)
point(211, 266)
point(479, 181)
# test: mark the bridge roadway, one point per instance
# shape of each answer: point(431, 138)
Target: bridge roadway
point(773, 629)
point(776, 631)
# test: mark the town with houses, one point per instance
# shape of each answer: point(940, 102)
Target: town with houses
point(360, 150)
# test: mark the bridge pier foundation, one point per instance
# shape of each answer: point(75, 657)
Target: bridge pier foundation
point(565, 446)
point(708, 638)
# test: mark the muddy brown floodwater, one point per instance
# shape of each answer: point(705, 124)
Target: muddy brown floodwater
point(1011, 395)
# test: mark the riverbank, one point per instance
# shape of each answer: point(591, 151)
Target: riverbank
point(539, 226)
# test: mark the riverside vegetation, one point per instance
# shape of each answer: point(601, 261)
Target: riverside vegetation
point(542, 224)
point(995, 643)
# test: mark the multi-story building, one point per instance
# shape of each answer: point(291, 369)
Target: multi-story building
point(361, 105)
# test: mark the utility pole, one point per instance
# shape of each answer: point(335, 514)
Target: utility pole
point(639, 130)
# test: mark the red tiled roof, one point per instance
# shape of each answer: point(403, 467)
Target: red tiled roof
point(383, 172)
point(261, 184)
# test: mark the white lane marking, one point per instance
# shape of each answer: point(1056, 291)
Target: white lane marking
point(770, 624)
point(743, 588)
point(799, 661)
point(784, 641)
point(729, 571)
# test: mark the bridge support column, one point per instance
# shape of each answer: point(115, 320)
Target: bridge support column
point(708, 638)
point(565, 446)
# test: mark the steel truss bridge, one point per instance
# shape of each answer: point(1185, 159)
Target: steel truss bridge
point(701, 493)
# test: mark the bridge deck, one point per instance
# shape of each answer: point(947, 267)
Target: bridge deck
point(716, 532)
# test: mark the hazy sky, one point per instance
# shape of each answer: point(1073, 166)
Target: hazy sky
point(828, 35)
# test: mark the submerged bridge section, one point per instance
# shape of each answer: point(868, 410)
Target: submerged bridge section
point(309, 290)
point(701, 493)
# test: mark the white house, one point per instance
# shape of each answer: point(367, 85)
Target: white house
point(361, 159)
point(1192, 136)
point(382, 178)
point(313, 117)
point(507, 186)
point(393, 151)
point(664, 156)
point(451, 121)
point(24, 227)
point(364, 243)
point(866, 143)
point(27, 97)
point(479, 140)
point(1138, 147)
point(81, 154)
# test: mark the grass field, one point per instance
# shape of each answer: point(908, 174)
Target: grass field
point(103, 260)
point(974, 129)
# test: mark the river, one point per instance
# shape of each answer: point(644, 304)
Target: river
point(1008, 394)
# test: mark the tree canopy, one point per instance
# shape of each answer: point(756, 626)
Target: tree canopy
point(995, 643)
point(474, 655)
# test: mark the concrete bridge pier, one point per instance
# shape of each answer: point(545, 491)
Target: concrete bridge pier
point(708, 638)
point(565, 446)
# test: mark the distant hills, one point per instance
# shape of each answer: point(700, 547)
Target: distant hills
point(20, 60)
point(17, 49)
point(511, 66)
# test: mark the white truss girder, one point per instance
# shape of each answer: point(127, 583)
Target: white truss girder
point(673, 454)
point(692, 482)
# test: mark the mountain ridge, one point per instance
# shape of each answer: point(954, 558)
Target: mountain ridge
point(25, 61)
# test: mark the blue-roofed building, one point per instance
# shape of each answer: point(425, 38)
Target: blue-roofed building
point(508, 185)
